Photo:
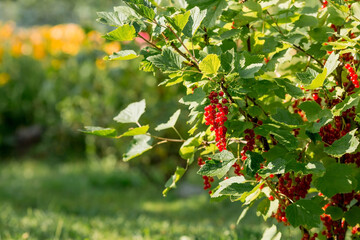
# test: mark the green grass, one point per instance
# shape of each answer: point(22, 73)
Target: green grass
point(39, 200)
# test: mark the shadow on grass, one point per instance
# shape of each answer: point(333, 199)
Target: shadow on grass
point(101, 201)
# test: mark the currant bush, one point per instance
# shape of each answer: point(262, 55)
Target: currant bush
point(272, 95)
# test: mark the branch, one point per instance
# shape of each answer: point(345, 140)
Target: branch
point(166, 139)
point(151, 43)
point(187, 50)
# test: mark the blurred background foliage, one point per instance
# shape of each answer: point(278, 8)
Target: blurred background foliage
point(53, 82)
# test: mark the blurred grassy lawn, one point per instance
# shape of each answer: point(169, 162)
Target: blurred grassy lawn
point(39, 200)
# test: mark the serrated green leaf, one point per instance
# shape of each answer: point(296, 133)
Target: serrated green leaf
point(135, 131)
point(331, 63)
point(196, 17)
point(312, 110)
point(213, 8)
point(187, 150)
point(286, 139)
point(252, 162)
point(355, 7)
point(131, 113)
point(224, 184)
point(122, 33)
point(336, 16)
point(219, 164)
point(194, 99)
point(345, 181)
point(168, 61)
point(237, 188)
point(318, 81)
point(171, 183)
point(249, 70)
point(210, 64)
point(290, 88)
point(170, 123)
point(139, 145)
point(122, 55)
point(99, 131)
point(274, 167)
point(346, 144)
point(179, 20)
point(353, 216)
point(304, 212)
point(306, 21)
point(336, 213)
point(285, 117)
point(271, 233)
point(349, 102)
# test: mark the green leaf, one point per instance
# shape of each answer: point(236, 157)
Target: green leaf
point(346, 144)
point(143, 7)
point(286, 139)
point(336, 213)
point(179, 20)
point(252, 162)
point(136, 131)
point(331, 63)
point(355, 7)
point(196, 17)
point(312, 110)
point(213, 8)
point(122, 33)
point(271, 233)
point(318, 81)
point(139, 145)
point(343, 174)
point(250, 70)
point(194, 99)
point(131, 113)
point(171, 183)
point(349, 102)
point(290, 88)
point(170, 123)
point(122, 55)
point(99, 131)
point(306, 21)
point(274, 167)
point(219, 164)
point(353, 216)
point(168, 61)
point(336, 16)
point(304, 212)
point(187, 150)
point(210, 64)
point(285, 117)
point(226, 183)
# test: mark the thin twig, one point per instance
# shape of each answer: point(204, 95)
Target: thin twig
point(182, 43)
point(151, 43)
point(166, 139)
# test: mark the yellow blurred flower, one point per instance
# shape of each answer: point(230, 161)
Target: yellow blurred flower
point(112, 47)
point(4, 78)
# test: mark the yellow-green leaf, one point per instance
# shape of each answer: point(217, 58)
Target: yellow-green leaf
point(210, 64)
point(122, 33)
point(318, 81)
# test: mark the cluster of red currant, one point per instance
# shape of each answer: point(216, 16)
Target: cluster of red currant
point(294, 188)
point(306, 236)
point(330, 134)
point(207, 180)
point(324, 4)
point(250, 142)
point(333, 227)
point(338, 227)
point(238, 169)
point(215, 115)
point(353, 75)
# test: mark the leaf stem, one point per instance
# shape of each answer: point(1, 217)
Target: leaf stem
point(166, 139)
point(151, 43)
point(177, 132)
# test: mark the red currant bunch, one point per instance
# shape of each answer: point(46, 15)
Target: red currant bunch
point(353, 75)
point(215, 116)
